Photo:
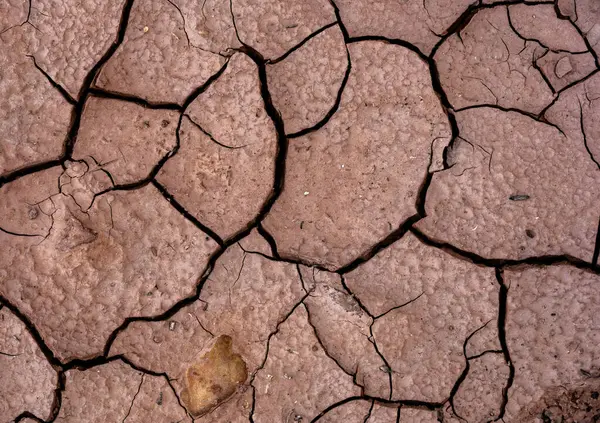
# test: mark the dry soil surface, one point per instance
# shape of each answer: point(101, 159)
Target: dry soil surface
point(282, 211)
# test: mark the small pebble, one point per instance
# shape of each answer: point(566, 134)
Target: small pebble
point(32, 213)
point(519, 197)
point(385, 369)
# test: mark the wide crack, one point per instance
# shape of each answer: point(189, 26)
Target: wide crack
point(503, 299)
point(499, 264)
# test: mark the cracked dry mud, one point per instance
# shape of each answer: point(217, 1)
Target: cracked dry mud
point(320, 211)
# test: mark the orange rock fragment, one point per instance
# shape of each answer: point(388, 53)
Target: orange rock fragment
point(214, 377)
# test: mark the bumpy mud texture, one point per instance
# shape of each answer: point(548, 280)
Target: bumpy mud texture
point(287, 211)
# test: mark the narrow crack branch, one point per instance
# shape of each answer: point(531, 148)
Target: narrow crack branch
point(201, 325)
point(300, 44)
point(457, 26)
point(8, 232)
point(209, 135)
point(134, 397)
point(589, 47)
point(486, 352)
point(596, 249)
point(179, 402)
point(187, 37)
point(486, 152)
point(560, 15)
point(412, 300)
point(465, 18)
point(26, 21)
point(465, 371)
point(177, 206)
point(61, 379)
point(411, 403)
point(559, 92)
point(148, 179)
point(235, 28)
point(356, 298)
point(202, 88)
point(371, 337)
point(455, 136)
point(167, 314)
point(368, 415)
point(535, 66)
point(282, 141)
point(387, 364)
point(338, 16)
point(585, 140)
point(238, 275)
point(288, 260)
point(63, 92)
point(533, 116)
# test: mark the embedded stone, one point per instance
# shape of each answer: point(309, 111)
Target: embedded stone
point(213, 377)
